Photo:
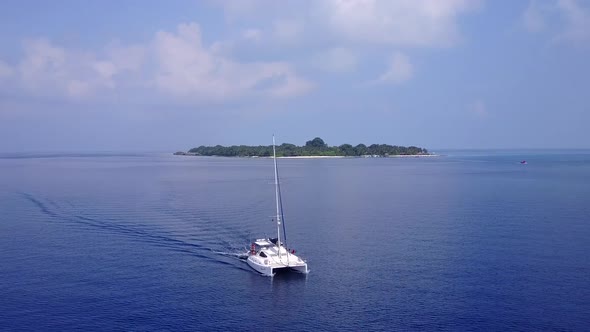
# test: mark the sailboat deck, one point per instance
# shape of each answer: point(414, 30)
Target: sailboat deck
point(286, 259)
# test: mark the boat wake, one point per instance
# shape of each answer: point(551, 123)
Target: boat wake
point(241, 255)
point(218, 251)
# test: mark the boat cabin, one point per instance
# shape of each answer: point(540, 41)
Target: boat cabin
point(265, 248)
point(264, 242)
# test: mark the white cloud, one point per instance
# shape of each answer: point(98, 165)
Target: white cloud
point(367, 26)
point(424, 23)
point(533, 17)
point(336, 60)
point(399, 69)
point(403, 22)
point(566, 20)
point(187, 68)
point(49, 70)
point(173, 63)
point(577, 20)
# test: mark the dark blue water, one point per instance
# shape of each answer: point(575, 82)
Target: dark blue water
point(468, 241)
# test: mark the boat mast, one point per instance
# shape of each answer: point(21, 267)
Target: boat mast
point(274, 155)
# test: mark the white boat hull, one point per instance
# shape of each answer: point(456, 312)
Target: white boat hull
point(258, 265)
point(269, 266)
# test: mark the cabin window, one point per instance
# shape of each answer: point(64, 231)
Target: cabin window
point(262, 254)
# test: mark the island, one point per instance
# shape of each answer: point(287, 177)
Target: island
point(312, 148)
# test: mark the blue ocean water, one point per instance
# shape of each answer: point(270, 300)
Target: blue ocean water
point(471, 240)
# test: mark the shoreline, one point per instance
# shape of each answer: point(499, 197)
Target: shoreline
point(354, 157)
point(319, 157)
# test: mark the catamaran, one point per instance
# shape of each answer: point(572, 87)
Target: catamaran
point(270, 255)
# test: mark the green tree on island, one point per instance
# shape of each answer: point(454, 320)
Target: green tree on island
point(314, 147)
point(316, 143)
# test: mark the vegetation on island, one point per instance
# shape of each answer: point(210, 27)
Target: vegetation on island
point(314, 147)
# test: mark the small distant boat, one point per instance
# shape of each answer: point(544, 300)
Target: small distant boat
point(267, 256)
point(523, 162)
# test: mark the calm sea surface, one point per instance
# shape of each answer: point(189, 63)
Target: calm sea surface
point(470, 240)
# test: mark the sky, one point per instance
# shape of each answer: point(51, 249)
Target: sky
point(170, 75)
